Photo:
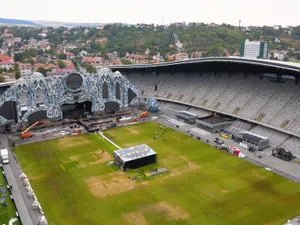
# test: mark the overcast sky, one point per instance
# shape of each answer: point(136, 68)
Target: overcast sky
point(250, 12)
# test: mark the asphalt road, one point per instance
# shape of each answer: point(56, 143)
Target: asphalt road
point(18, 190)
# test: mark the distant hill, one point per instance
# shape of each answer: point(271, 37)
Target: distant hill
point(65, 24)
point(17, 22)
point(5, 21)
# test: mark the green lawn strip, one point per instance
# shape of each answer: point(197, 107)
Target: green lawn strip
point(8, 212)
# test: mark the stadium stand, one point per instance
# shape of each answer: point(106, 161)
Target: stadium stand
point(245, 95)
point(133, 78)
point(278, 101)
point(260, 98)
point(251, 97)
point(289, 113)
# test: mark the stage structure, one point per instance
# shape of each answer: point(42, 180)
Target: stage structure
point(134, 157)
point(37, 93)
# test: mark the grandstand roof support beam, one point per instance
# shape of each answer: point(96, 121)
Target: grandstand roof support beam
point(296, 79)
point(261, 75)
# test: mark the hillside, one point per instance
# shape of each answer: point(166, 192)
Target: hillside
point(17, 22)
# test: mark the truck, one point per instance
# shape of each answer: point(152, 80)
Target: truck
point(281, 153)
point(4, 156)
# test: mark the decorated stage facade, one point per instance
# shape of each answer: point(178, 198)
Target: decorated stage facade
point(36, 93)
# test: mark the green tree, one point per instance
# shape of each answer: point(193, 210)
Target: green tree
point(214, 51)
point(49, 51)
point(90, 69)
point(17, 75)
point(61, 64)
point(125, 61)
point(62, 56)
point(42, 70)
point(18, 57)
point(1, 79)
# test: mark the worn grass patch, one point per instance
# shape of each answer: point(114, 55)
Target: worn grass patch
point(70, 165)
point(69, 142)
point(135, 218)
point(112, 184)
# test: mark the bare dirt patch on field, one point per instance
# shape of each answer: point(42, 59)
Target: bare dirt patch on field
point(112, 184)
point(173, 212)
point(190, 165)
point(35, 177)
point(131, 144)
point(91, 158)
point(225, 191)
point(260, 175)
point(77, 158)
point(69, 142)
point(105, 157)
point(164, 208)
point(135, 218)
point(132, 130)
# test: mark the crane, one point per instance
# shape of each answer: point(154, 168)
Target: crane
point(24, 134)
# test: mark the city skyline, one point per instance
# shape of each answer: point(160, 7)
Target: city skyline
point(257, 13)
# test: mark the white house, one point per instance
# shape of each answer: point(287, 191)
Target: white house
point(26, 69)
point(7, 64)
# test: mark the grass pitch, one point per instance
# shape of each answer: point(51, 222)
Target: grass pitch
point(74, 185)
point(9, 212)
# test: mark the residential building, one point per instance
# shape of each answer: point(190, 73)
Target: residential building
point(147, 51)
point(111, 56)
point(213, 25)
point(254, 49)
point(3, 51)
point(100, 26)
point(8, 76)
point(137, 59)
point(7, 64)
point(70, 55)
point(278, 55)
point(197, 54)
point(277, 40)
point(42, 35)
point(83, 53)
point(49, 66)
point(88, 60)
point(26, 69)
point(276, 27)
point(181, 56)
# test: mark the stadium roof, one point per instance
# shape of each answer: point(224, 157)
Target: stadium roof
point(136, 152)
point(242, 60)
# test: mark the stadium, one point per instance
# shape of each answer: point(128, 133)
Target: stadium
point(202, 141)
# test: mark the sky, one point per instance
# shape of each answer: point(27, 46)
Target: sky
point(250, 12)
